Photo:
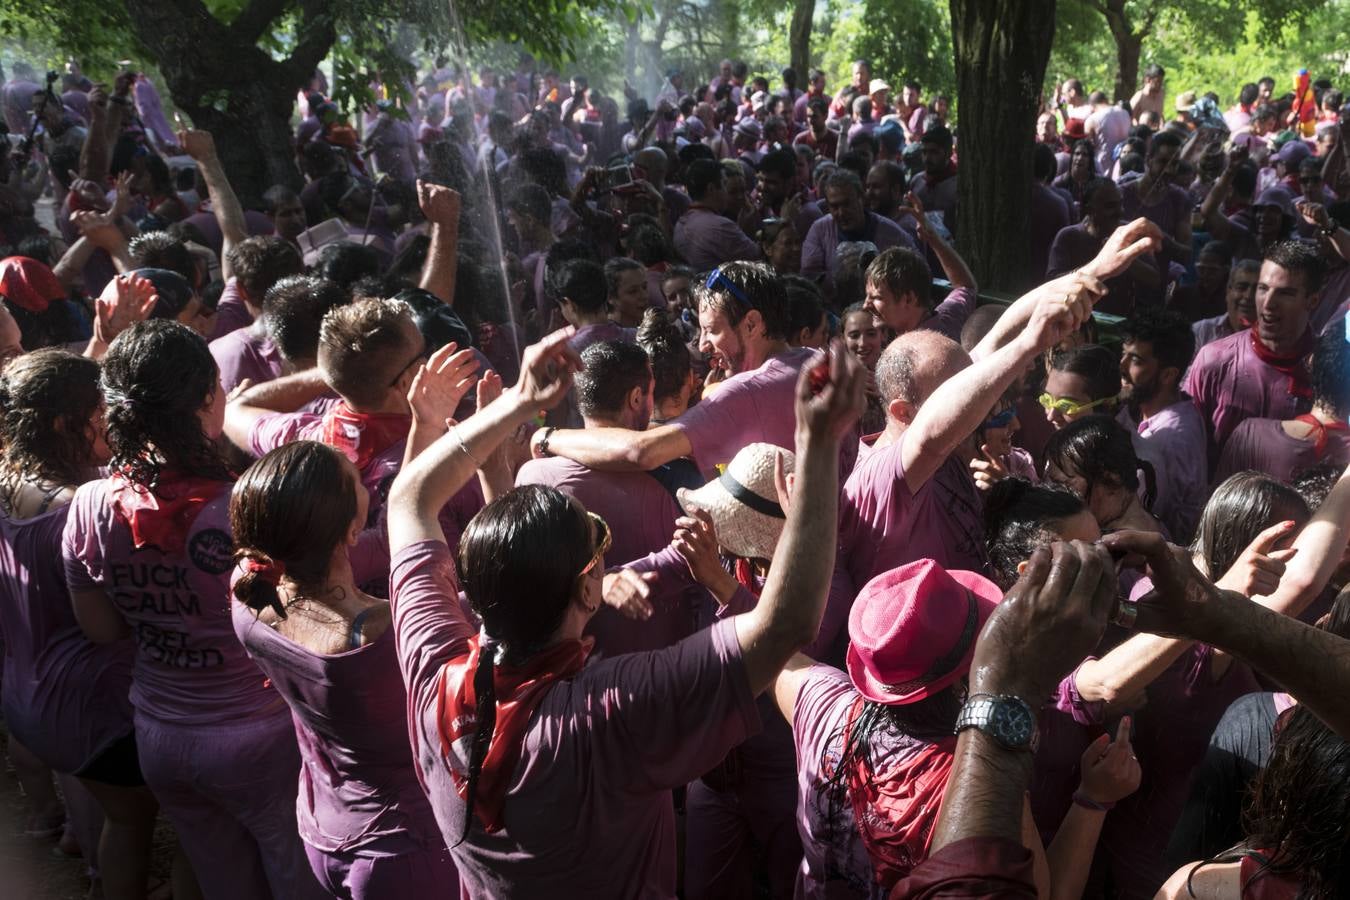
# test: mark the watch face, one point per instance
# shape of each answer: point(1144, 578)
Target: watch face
point(1012, 724)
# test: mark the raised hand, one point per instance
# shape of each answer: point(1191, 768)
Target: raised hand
point(125, 300)
point(914, 206)
point(1047, 623)
point(1064, 305)
point(98, 229)
point(989, 471)
point(696, 540)
point(832, 394)
point(197, 143)
point(1258, 570)
point(89, 194)
point(627, 591)
point(441, 383)
point(122, 201)
point(1126, 244)
point(440, 204)
point(546, 371)
point(1109, 770)
point(1182, 598)
point(1313, 213)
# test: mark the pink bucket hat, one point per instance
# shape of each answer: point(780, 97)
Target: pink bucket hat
point(912, 630)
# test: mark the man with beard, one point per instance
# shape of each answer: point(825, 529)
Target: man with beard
point(1240, 298)
point(1168, 430)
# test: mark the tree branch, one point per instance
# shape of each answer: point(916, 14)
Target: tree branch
point(1149, 18)
point(256, 18)
point(314, 38)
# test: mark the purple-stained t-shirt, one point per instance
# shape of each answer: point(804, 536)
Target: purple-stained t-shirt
point(1332, 299)
point(1109, 127)
point(232, 313)
point(588, 811)
point(63, 696)
point(752, 407)
point(1166, 209)
point(820, 242)
point(1174, 441)
point(246, 353)
point(151, 109)
point(1048, 214)
point(358, 793)
point(883, 524)
point(1075, 246)
point(605, 331)
point(190, 668)
point(937, 197)
point(254, 222)
point(951, 314)
point(1207, 331)
point(1229, 383)
point(706, 240)
point(1068, 724)
point(1264, 445)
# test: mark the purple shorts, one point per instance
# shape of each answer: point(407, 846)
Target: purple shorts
point(426, 873)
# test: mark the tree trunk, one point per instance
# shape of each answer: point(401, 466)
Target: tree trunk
point(1128, 49)
point(1001, 50)
point(799, 37)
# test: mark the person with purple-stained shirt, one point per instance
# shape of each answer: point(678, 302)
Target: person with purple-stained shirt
point(615, 391)
point(744, 318)
point(65, 698)
point(1154, 197)
point(147, 554)
point(391, 142)
point(254, 266)
point(1281, 449)
point(935, 186)
point(284, 337)
point(510, 716)
point(1261, 372)
point(704, 236)
point(151, 111)
point(848, 220)
point(392, 398)
point(1240, 299)
point(1167, 430)
point(913, 497)
point(582, 293)
point(899, 284)
point(16, 97)
point(1195, 683)
point(1139, 285)
point(328, 649)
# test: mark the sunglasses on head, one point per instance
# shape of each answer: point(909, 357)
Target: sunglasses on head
point(1069, 407)
point(604, 539)
point(1001, 420)
point(718, 281)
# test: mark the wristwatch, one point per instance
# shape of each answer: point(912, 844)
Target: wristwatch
point(1005, 718)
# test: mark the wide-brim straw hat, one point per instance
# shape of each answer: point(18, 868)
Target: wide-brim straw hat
point(743, 502)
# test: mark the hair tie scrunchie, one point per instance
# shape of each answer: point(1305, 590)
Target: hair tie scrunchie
point(114, 397)
point(269, 570)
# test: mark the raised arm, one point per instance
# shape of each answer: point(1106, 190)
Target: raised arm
point(1336, 233)
point(441, 206)
point(1318, 548)
point(788, 614)
point(285, 394)
point(1216, 223)
point(960, 404)
point(953, 266)
point(428, 482)
point(201, 146)
point(613, 449)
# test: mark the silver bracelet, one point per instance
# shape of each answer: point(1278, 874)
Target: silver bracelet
point(454, 429)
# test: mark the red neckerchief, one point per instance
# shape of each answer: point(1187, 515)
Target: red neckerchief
point(745, 575)
point(1299, 383)
point(363, 436)
point(519, 690)
point(1319, 434)
point(895, 809)
point(161, 518)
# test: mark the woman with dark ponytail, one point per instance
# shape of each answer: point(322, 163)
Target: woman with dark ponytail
point(328, 649)
point(148, 554)
point(1094, 457)
point(550, 777)
point(65, 698)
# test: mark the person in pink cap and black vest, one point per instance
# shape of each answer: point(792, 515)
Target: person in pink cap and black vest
point(875, 745)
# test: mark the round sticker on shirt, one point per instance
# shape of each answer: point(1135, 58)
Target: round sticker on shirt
point(212, 550)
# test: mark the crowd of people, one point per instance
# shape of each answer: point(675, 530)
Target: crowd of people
point(541, 500)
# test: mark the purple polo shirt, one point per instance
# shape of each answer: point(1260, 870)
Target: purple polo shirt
point(1174, 441)
point(818, 256)
point(588, 811)
point(883, 524)
point(1264, 445)
point(1229, 383)
point(1207, 331)
point(706, 239)
point(190, 669)
point(246, 353)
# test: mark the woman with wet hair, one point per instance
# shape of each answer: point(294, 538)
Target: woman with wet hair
point(148, 553)
point(548, 776)
point(65, 698)
point(1094, 457)
point(672, 364)
point(328, 649)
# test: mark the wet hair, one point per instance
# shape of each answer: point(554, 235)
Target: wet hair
point(293, 312)
point(347, 262)
point(157, 376)
point(670, 357)
point(806, 304)
point(781, 162)
point(1247, 96)
point(546, 168)
point(614, 267)
point(1099, 450)
point(844, 180)
point(612, 370)
point(1093, 186)
point(583, 282)
point(1099, 367)
point(647, 242)
point(1314, 483)
point(47, 400)
point(533, 201)
point(1019, 518)
point(161, 250)
point(260, 262)
point(364, 347)
point(758, 284)
point(294, 507)
point(1167, 332)
point(1331, 373)
point(1296, 256)
point(519, 561)
point(902, 270)
point(941, 136)
point(438, 322)
point(1238, 510)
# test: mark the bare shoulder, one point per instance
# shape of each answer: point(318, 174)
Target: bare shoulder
point(1197, 881)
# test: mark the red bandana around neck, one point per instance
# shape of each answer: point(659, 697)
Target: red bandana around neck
point(1299, 383)
point(161, 518)
point(895, 810)
point(1320, 433)
point(363, 436)
point(519, 690)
